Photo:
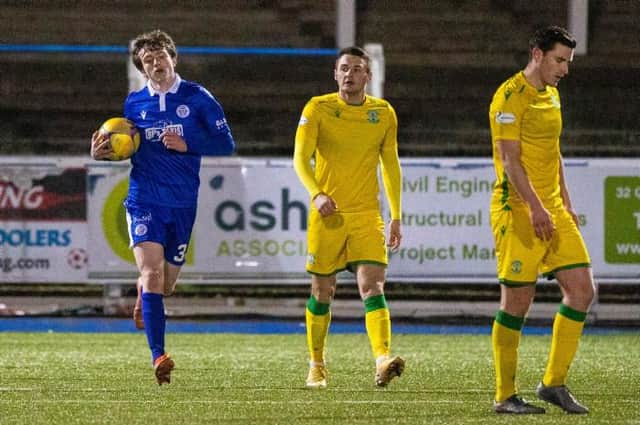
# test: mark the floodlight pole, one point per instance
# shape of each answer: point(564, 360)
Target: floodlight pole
point(345, 23)
point(579, 24)
point(376, 63)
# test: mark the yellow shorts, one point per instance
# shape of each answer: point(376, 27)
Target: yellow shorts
point(521, 256)
point(344, 240)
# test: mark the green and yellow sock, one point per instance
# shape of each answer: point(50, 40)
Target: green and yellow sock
point(505, 339)
point(318, 318)
point(567, 330)
point(378, 323)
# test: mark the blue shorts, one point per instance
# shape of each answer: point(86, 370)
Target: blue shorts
point(170, 227)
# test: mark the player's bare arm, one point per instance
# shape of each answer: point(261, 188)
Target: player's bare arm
point(566, 199)
point(100, 146)
point(540, 218)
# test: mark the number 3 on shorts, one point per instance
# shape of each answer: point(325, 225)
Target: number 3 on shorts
point(182, 250)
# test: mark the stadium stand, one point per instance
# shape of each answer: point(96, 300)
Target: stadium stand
point(444, 59)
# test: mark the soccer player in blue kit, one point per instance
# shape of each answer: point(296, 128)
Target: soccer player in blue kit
point(179, 121)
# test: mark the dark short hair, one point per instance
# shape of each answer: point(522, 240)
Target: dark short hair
point(545, 38)
point(354, 51)
point(153, 40)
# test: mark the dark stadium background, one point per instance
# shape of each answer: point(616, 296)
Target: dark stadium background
point(444, 59)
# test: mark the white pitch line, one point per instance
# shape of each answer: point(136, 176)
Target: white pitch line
point(236, 402)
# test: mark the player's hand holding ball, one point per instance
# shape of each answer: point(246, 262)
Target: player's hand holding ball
point(100, 146)
point(117, 139)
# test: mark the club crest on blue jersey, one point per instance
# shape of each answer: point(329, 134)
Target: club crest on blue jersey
point(141, 229)
point(182, 111)
point(160, 175)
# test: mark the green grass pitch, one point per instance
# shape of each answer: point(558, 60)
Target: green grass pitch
point(259, 379)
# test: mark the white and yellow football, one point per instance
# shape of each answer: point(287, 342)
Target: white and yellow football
point(123, 137)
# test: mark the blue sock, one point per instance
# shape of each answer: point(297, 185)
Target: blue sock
point(154, 322)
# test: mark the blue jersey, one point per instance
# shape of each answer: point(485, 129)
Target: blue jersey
point(161, 176)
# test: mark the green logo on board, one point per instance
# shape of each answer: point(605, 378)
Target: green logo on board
point(622, 220)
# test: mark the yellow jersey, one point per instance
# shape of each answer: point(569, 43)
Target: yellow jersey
point(523, 113)
point(348, 142)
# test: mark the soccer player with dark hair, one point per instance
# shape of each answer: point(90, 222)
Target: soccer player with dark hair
point(534, 224)
point(347, 134)
point(179, 122)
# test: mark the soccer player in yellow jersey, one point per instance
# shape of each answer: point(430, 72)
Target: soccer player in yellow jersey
point(534, 224)
point(348, 134)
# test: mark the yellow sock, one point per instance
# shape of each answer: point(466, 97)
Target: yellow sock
point(567, 329)
point(378, 323)
point(505, 339)
point(318, 317)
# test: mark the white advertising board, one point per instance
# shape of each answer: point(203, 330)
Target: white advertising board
point(251, 220)
point(43, 225)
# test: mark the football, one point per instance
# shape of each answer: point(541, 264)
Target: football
point(123, 137)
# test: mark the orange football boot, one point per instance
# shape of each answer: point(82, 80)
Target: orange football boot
point(163, 367)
